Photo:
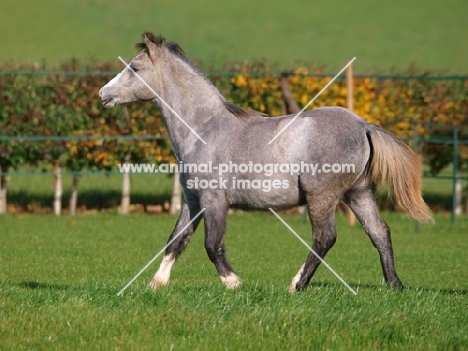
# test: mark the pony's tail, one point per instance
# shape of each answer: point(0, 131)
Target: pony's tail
point(393, 161)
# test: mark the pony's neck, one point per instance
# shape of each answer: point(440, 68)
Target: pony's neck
point(194, 99)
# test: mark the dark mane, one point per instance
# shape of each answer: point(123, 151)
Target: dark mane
point(175, 49)
point(241, 113)
point(161, 42)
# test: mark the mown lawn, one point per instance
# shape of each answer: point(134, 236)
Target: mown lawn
point(382, 35)
point(60, 277)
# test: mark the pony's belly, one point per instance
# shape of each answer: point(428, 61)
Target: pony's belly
point(265, 194)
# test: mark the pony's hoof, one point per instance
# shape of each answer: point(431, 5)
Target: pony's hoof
point(232, 281)
point(292, 287)
point(156, 283)
point(295, 288)
point(396, 285)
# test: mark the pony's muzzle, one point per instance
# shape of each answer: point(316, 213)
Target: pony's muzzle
point(106, 98)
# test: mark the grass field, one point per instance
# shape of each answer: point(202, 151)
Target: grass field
point(60, 277)
point(382, 35)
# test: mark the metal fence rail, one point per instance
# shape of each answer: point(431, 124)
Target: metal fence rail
point(254, 74)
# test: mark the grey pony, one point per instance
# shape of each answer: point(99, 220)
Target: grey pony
point(227, 133)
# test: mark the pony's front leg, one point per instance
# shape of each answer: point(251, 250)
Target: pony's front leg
point(188, 212)
point(215, 227)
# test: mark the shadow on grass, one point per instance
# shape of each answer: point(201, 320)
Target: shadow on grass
point(447, 291)
point(355, 286)
point(33, 285)
point(98, 199)
point(90, 199)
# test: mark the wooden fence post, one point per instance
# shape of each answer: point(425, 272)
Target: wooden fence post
point(58, 189)
point(350, 105)
point(288, 100)
point(74, 195)
point(455, 173)
point(3, 191)
point(125, 204)
point(458, 194)
point(349, 88)
point(466, 208)
point(176, 203)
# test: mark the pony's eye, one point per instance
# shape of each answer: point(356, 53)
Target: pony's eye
point(134, 69)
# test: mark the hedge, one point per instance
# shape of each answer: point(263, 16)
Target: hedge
point(66, 103)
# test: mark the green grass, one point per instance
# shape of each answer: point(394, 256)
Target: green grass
point(60, 277)
point(382, 35)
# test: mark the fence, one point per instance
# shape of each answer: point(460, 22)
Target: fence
point(454, 140)
point(57, 173)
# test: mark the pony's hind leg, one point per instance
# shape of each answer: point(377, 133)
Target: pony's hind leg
point(362, 203)
point(322, 217)
point(161, 278)
point(215, 227)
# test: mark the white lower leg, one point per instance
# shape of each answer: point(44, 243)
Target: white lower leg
point(232, 280)
point(161, 278)
point(292, 287)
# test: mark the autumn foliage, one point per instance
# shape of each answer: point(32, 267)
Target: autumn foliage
point(66, 104)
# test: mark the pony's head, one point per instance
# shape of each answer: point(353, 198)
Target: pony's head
point(162, 71)
point(141, 78)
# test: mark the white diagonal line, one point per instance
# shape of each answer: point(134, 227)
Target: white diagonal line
point(162, 100)
point(311, 101)
point(160, 252)
point(311, 250)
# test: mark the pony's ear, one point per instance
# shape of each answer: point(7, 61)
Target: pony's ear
point(151, 48)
